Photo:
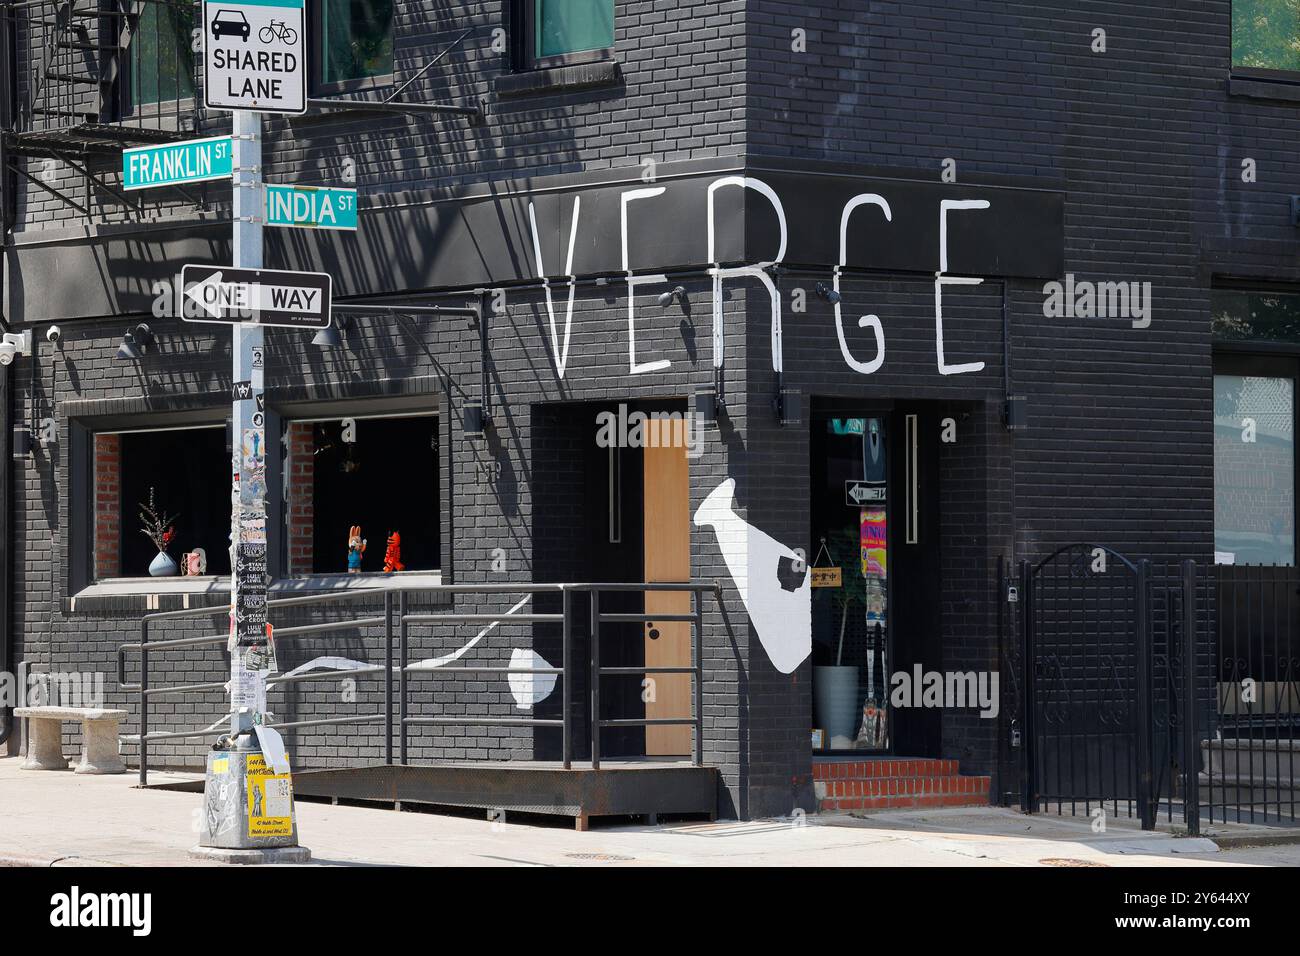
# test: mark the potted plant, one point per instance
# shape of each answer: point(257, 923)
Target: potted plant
point(158, 527)
point(835, 686)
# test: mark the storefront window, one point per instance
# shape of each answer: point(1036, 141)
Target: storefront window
point(1254, 469)
point(1266, 35)
point(850, 581)
point(185, 472)
point(378, 474)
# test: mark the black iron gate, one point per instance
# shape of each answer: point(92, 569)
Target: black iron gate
point(1158, 689)
point(1088, 721)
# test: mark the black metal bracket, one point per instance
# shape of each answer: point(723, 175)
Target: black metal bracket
point(478, 313)
point(392, 103)
point(51, 190)
point(85, 171)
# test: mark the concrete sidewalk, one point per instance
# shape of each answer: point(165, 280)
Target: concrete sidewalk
point(64, 819)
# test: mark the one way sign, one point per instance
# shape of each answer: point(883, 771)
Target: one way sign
point(291, 300)
point(858, 493)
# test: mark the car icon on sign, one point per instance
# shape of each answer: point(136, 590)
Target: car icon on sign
point(230, 23)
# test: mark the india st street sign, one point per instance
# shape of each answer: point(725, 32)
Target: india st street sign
point(291, 300)
point(311, 207)
point(254, 55)
point(191, 161)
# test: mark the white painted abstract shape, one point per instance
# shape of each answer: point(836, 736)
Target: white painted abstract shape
point(433, 663)
point(782, 618)
point(529, 689)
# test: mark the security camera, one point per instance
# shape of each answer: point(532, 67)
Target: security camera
point(53, 334)
point(7, 353)
point(20, 343)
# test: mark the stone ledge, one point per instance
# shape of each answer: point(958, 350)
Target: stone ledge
point(560, 79)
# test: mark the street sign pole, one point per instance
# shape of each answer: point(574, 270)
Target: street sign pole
point(248, 497)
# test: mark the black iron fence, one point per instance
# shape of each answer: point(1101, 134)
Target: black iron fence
point(396, 622)
point(1156, 690)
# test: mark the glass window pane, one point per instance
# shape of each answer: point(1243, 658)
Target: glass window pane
point(357, 39)
point(1254, 469)
point(571, 26)
point(380, 474)
point(1266, 34)
point(1266, 316)
point(186, 473)
point(162, 66)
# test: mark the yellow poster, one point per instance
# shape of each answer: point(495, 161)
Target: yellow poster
point(270, 800)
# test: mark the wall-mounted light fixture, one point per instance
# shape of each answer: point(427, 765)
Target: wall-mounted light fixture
point(789, 406)
point(671, 296)
point(1017, 413)
point(134, 343)
point(827, 293)
point(331, 337)
point(21, 441)
point(476, 420)
point(706, 406)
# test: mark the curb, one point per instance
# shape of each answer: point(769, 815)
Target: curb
point(13, 860)
point(1289, 837)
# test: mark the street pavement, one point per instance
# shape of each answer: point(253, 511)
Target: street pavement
point(53, 818)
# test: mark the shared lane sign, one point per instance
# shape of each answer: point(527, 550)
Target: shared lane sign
point(174, 164)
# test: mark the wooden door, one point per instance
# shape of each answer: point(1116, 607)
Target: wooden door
point(667, 558)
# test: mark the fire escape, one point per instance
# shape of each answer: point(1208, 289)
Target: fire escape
point(89, 78)
point(75, 99)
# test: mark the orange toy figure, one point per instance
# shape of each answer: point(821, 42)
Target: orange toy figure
point(393, 556)
point(356, 548)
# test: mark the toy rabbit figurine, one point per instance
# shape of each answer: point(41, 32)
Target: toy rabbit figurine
point(393, 556)
point(356, 548)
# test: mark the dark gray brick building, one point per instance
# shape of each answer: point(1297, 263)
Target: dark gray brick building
point(863, 204)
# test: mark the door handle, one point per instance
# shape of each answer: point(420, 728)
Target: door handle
point(654, 631)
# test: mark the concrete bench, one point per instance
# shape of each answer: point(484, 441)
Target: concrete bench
point(98, 738)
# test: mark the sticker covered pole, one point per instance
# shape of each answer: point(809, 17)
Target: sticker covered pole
point(248, 791)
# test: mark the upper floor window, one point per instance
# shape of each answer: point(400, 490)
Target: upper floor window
point(161, 59)
point(354, 42)
point(1266, 36)
point(567, 31)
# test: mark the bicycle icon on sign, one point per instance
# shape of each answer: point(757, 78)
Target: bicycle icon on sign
point(279, 31)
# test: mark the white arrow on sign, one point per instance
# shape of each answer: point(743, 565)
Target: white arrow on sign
point(861, 493)
point(215, 297)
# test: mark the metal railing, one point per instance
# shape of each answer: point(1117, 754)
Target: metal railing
point(397, 619)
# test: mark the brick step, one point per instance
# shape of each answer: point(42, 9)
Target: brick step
point(903, 767)
point(903, 784)
point(921, 802)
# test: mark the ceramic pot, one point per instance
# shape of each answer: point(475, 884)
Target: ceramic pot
point(835, 700)
point(163, 566)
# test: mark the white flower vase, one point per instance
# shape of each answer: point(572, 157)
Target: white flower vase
point(163, 566)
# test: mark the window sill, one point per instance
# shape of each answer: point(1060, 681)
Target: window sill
point(1255, 88)
point(559, 79)
point(369, 580)
point(138, 595)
